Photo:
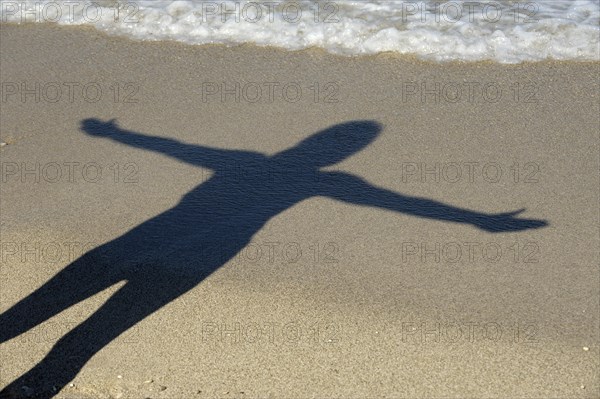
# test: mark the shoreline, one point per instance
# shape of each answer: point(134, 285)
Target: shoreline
point(408, 57)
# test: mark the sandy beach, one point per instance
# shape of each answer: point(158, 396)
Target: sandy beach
point(349, 298)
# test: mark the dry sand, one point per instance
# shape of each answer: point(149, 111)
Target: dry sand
point(362, 315)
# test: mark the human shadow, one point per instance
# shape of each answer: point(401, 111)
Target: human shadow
point(168, 255)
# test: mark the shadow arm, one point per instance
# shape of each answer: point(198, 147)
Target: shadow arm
point(189, 153)
point(353, 190)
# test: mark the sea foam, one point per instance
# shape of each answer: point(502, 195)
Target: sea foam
point(505, 31)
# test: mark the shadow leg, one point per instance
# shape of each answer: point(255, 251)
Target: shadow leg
point(132, 303)
point(81, 279)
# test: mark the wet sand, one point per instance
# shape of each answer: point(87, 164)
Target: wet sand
point(330, 299)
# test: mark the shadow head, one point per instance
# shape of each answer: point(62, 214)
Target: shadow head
point(332, 145)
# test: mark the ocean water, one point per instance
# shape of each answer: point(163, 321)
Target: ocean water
point(504, 31)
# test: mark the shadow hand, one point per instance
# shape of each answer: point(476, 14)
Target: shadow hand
point(96, 127)
point(502, 222)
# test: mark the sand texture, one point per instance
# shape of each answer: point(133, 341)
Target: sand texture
point(154, 245)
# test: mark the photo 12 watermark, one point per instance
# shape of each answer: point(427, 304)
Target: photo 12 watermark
point(470, 252)
point(471, 92)
point(52, 331)
point(453, 172)
point(12, 252)
point(450, 332)
point(277, 333)
point(289, 252)
point(28, 92)
point(291, 12)
point(450, 12)
point(69, 11)
point(253, 12)
point(271, 252)
point(72, 172)
point(270, 92)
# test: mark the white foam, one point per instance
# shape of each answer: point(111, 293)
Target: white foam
point(505, 31)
